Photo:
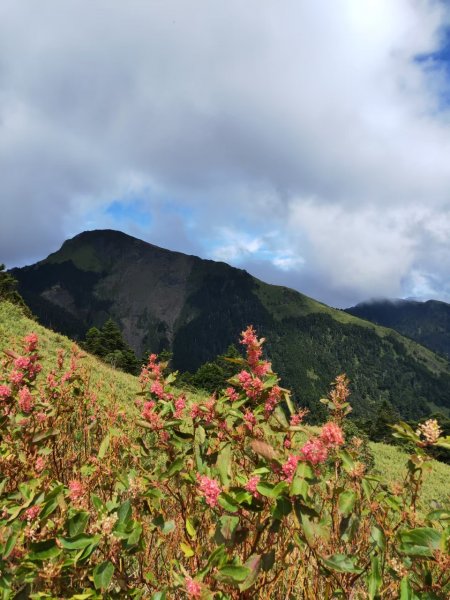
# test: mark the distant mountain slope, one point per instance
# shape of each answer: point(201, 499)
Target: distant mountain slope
point(426, 322)
point(195, 307)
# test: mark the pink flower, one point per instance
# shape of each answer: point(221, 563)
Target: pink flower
point(290, 467)
point(5, 391)
point(262, 368)
point(314, 451)
point(297, 419)
point(31, 513)
point(22, 362)
point(250, 420)
point(331, 435)
point(180, 405)
point(157, 389)
point(251, 484)
point(31, 342)
point(193, 588)
point(231, 394)
point(16, 377)
point(195, 411)
point(51, 380)
point(41, 417)
point(209, 488)
point(272, 400)
point(26, 402)
point(39, 464)
point(76, 489)
point(253, 386)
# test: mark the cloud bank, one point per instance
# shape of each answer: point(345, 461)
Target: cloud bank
point(307, 142)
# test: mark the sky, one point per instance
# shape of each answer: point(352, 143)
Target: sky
point(305, 141)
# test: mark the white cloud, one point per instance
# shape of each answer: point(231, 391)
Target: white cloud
point(311, 119)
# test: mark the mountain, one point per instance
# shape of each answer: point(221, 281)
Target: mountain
point(426, 322)
point(197, 308)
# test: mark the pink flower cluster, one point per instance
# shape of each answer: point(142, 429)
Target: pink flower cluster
point(314, 451)
point(332, 435)
point(290, 467)
point(76, 489)
point(31, 513)
point(253, 386)
point(30, 342)
point(26, 402)
point(272, 400)
point(250, 420)
point(231, 394)
point(193, 588)
point(209, 488)
point(195, 412)
point(180, 405)
point(5, 392)
point(297, 419)
point(254, 352)
point(251, 486)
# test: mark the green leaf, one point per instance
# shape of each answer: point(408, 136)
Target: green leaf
point(444, 442)
point(104, 446)
point(187, 550)
point(404, 431)
point(346, 502)
point(191, 529)
point(342, 563)
point(253, 563)
point(301, 480)
point(10, 543)
point(374, 579)
point(378, 538)
point(44, 550)
point(77, 523)
point(228, 525)
point(282, 508)
point(233, 573)
point(44, 435)
point(228, 502)
point(103, 574)
point(124, 513)
point(224, 465)
point(422, 541)
point(77, 542)
point(270, 490)
point(175, 467)
point(406, 591)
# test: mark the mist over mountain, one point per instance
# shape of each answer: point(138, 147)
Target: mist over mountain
point(196, 308)
point(426, 322)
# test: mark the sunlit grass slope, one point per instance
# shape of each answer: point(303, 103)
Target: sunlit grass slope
point(111, 383)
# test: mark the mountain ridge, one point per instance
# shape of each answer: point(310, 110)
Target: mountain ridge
point(196, 308)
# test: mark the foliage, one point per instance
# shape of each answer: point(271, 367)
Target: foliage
point(216, 499)
point(213, 376)
point(8, 290)
point(108, 344)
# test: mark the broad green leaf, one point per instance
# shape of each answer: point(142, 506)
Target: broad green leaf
point(103, 574)
point(254, 565)
point(342, 563)
point(228, 502)
point(234, 573)
point(175, 467)
point(77, 542)
point(77, 523)
point(191, 529)
point(374, 578)
point(377, 537)
point(44, 550)
point(422, 541)
point(224, 465)
point(346, 502)
point(187, 550)
point(104, 446)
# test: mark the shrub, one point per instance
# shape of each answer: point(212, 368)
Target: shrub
point(217, 499)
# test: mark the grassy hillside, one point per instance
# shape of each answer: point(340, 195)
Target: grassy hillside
point(110, 383)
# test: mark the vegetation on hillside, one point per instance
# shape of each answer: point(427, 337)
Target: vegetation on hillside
point(108, 344)
point(223, 497)
point(193, 308)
